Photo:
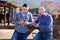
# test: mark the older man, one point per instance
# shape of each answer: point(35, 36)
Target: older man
point(45, 25)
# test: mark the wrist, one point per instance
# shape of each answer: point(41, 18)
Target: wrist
point(19, 22)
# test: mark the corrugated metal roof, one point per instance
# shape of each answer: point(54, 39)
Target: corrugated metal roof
point(13, 2)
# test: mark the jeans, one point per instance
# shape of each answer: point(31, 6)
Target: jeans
point(42, 36)
point(19, 36)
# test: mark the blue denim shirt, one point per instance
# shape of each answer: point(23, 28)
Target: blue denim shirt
point(18, 17)
point(45, 23)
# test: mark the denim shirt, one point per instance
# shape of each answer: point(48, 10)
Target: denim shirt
point(21, 28)
point(45, 23)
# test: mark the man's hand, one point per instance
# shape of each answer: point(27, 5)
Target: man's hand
point(25, 22)
point(34, 24)
point(22, 22)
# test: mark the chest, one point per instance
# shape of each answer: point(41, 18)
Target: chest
point(23, 17)
point(43, 20)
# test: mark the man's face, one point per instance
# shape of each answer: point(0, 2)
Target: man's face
point(24, 9)
point(41, 12)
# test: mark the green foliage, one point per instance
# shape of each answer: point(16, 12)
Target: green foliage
point(34, 10)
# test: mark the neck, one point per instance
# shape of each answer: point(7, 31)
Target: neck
point(43, 14)
point(23, 12)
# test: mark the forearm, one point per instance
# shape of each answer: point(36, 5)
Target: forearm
point(15, 22)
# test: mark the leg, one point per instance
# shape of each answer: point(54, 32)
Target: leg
point(38, 36)
point(23, 36)
point(48, 36)
point(15, 36)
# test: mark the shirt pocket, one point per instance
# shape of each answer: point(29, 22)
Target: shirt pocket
point(19, 18)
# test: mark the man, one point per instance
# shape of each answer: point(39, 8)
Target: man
point(44, 23)
point(21, 21)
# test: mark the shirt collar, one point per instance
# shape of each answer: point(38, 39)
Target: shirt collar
point(45, 14)
point(23, 13)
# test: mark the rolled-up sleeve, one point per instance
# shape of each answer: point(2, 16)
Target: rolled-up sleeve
point(15, 19)
point(31, 18)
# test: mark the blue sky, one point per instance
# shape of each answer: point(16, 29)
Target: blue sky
point(34, 3)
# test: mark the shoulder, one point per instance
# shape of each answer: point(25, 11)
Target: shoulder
point(49, 16)
point(17, 13)
point(38, 17)
point(29, 14)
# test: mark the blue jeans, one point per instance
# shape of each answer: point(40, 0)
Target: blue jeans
point(42, 36)
point(19, 36)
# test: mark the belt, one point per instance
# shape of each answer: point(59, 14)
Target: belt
point(45, 32)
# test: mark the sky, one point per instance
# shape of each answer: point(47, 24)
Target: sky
point(33, 3)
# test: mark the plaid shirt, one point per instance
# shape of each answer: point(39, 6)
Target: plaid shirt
point(18, 17)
